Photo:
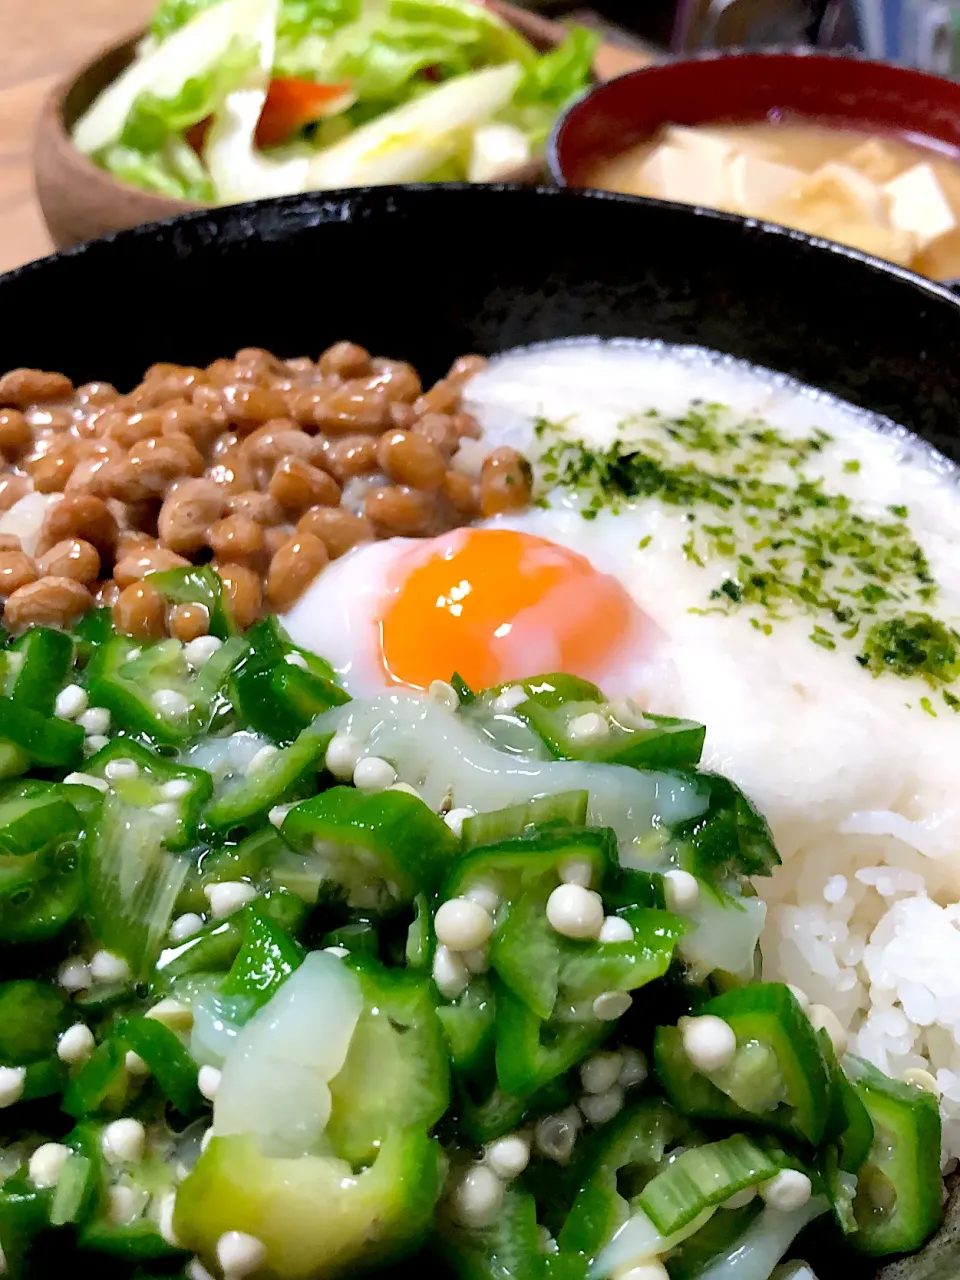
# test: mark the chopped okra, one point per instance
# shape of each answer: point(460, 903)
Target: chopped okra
point(294, 993)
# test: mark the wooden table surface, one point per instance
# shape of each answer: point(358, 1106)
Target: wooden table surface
point(43, 40)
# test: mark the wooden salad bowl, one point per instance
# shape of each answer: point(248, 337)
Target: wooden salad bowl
point(81, 201)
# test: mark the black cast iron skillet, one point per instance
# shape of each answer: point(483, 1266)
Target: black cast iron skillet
point(428, 273)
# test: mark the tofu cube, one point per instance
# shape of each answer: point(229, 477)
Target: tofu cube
point(874, 159)
point(835, 194)
point(757, 185)
point(687, 175)
point(917, 203)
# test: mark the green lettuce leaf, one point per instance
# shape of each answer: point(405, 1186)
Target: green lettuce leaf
point(171, 15)
point(385, 50)
point(300, 19)
point(152, 119)
point(152, 151)
point(173, 169)
point(552, 81)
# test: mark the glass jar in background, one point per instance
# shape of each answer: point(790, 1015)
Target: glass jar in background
point(930, 36)
point(745, 24)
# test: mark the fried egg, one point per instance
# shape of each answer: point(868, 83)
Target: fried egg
point(492, 604)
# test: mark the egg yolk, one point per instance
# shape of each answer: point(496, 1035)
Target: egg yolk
point(495, 605)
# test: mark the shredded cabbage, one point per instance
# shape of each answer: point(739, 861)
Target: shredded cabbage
point(449, 90)
point(407, 144)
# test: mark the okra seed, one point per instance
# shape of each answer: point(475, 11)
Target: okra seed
point(444, 695)
point(197, 653)
point(456, 818)
point(239, 1254)
point(177, 788)
point(95, 720)
point(165, 1220)
point(681, 891)
point(591, 727)
point(477, 1198)
point(71, 702)
point(11, 1085)
point(170, 702)
point(133, 655)
point(801, 997)
point(922, 1079)
point(405, 788)
point(555, 1136)
point(117, 770)
point(373, 774)
point(76, 1044)
point(46, 1164)
point(601, 1072)
point(195, 1270)
point(627, 713)
point(610, 1005)
point(614, 929)
point(208, 1082)
point(296, 660)
point(825, 1019)
point(265, 753)
point(789, 1190)
point(172, 1013)
point(740, 1199)
point(185, 926)
point(509, 1156)
point(650, 1269)
point(462, 925)
point(575, 912)
point(86, 780)
point(135, 1065)
point(206, 1139)
point(577, 871)
point(121, 1205)
point(510, 698)
point(74, 975)
point(278, 813)
point(599, 1108)
point(340, 952)
point(95, 742)
point(123, 1141)
point(709, 1042)
point(228, 896)
point(477, 959)
point(634, 1070)
point(484, 892)
point(165, 809)
point(545, 1240)
point(107, 967)
point(342, 756)
point(449, 972)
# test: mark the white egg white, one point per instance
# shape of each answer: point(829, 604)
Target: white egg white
point(336, 616)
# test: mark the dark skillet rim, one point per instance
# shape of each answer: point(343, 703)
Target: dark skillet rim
point(337, 201)
point(847, 54)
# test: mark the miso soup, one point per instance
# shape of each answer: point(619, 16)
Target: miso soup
point(898, 198)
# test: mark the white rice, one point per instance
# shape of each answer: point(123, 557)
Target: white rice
point(859, 785)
